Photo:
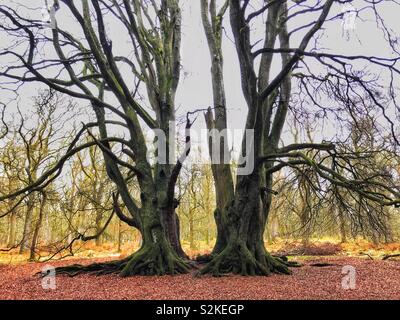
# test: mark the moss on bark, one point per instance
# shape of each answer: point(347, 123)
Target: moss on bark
point(237, 258)
point(155, 257)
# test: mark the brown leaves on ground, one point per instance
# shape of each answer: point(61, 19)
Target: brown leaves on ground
point(310, 249)
point(358, 247)
point(374, 280)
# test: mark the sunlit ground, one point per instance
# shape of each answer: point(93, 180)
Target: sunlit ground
point(293, 248)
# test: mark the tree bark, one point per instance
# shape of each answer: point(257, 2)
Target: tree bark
point(216, 119)
point(37, 228)
point(172, 230)
point(27, 233)
point(244, 221)
point(245, 252)
point(12, 229)
point(98, 240)
point(119, 236)
point(155, 256)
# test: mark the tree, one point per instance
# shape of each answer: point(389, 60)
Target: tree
point(29, 151)
point(11, 164)
point(26, 157)
point(37, 152)
point(96, 187)
point(269, 96)
point(93, 70)
point(216, 117)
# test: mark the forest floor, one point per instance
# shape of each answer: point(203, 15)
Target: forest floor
point(374, 279)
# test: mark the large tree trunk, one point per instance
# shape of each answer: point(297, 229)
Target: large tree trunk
point(165, 191)
point(245, 252)
point(155, 256)
point(221, 239)
point(172, 230)
point(244, 221)
point(161, 251)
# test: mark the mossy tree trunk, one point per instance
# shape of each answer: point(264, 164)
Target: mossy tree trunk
point(216, 119)
point(157, 57)
point(172, 230)
point(156, 255)
point(244, 222)
point(245, 218)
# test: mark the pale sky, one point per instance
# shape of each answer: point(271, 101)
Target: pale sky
point(195, 87)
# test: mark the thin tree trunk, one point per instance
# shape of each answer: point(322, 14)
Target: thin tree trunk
point(119, 236)
point(305, 213)
point(37, 228)
point(273, 230)
point(342, 227)
point(27, 232)
point(99, 227)
point(191, 230)
point(12, 230)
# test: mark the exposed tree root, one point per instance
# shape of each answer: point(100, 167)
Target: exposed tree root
point(285, 260)
point(204, 258)
point(149, 260)
point(238, 259)
point(388, 256)
point(100, 268)
point(324, 264)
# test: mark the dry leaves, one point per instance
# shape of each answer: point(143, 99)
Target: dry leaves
point(374, 280)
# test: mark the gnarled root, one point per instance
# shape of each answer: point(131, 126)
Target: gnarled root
point(238, 259)
point(284, 260)
point(100, 268)
point(204, 258)
point(149, 260)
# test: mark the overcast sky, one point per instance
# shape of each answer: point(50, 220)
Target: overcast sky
point(195, 87)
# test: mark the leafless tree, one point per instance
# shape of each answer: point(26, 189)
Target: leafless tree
point(328, 84)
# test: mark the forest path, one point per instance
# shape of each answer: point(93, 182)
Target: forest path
point(375, 279)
